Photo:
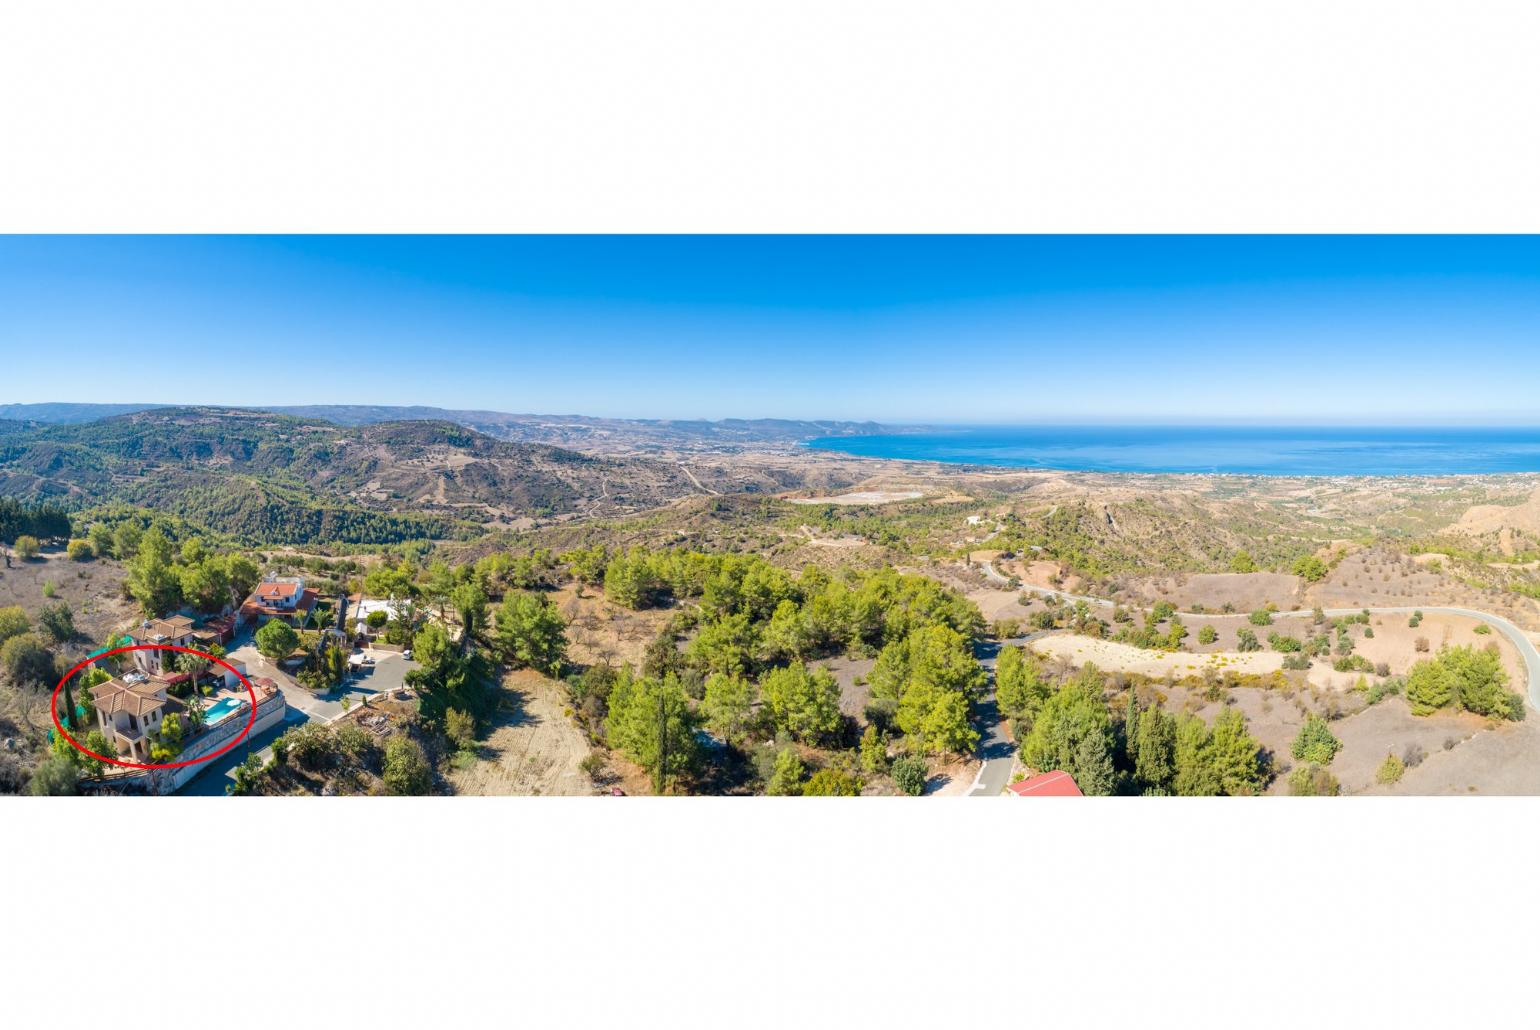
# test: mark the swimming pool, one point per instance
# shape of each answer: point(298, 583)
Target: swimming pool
point(223, 708)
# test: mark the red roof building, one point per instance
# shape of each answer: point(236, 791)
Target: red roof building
point(289, 600)
point(1056, 784)
point(278, 593)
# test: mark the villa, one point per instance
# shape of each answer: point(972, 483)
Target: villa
point(130, 711)
point(285, 599)
point(176, 631)
point(362, 607)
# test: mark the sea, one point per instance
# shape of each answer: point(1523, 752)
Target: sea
point(1240, 450)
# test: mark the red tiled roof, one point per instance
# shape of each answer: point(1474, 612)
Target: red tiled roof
point(307, 601)
point(1056, 784)
point(116, 696)
point(273, 591)
point(163, 629)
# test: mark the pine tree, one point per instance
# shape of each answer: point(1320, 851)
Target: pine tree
point(1091, 766)
point(1155, 762)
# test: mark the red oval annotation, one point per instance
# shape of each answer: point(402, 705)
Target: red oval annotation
point(251, 717)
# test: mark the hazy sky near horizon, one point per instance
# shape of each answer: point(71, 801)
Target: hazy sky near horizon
point(995, 329)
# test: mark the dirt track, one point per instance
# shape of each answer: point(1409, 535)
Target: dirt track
point(534, 750)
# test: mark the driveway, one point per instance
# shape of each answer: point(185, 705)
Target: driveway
point(996, 749)
point(388, 673)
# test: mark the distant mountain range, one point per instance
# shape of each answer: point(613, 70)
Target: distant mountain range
point(603, 435)
point(60, 413)
point(289, 479)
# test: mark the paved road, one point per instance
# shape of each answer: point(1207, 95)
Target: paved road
point(220, 772)
point(996, 748)
point(388, 673)
point(1516, 636)
point(997, 764)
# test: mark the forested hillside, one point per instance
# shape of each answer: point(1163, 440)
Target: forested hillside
point(281, 479)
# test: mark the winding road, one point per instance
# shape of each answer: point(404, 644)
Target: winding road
point(998, 753)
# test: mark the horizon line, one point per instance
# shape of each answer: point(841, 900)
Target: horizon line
point(1487, 421)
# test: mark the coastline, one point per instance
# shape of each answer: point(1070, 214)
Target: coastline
point(1272, 452)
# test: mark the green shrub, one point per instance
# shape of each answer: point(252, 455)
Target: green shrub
point(311, 746)
point(1390, 770)
point(874, 751)
point(56, 777)
point(1283, 643)
point(1312, 781)
point(26, 661)
point(13, 622)
point(1315, 742)
point(460, 727)
point(406, 767)
point(1465, 677)
point(832, 783)
point(909, 773)
point(1381, 689)
point(593, 766)
point(1310, 568)
point(79, 550)
point(786, 779)
point(58, 621)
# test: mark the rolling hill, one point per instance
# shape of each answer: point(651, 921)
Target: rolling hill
point(608, 435)
point(287, 479)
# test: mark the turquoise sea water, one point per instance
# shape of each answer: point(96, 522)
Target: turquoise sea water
point(1249, 450)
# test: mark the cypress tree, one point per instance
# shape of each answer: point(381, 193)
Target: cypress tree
point(1131, 728)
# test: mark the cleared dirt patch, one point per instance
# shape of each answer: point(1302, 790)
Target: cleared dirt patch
point(605, 633)
point(1245, 591)
point(1395, 642)
point(862, 497)
point(1390, 728)
point(853, 696)
point(1111, 656)
point(1503, 759)
point(1490, 518)
point(534, 749)
point(93, 590)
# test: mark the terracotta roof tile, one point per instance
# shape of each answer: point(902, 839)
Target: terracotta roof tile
point(1056, 784)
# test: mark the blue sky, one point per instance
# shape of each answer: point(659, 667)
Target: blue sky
point(1002, 330)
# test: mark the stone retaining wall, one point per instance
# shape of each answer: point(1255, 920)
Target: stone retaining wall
point(164, 781)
